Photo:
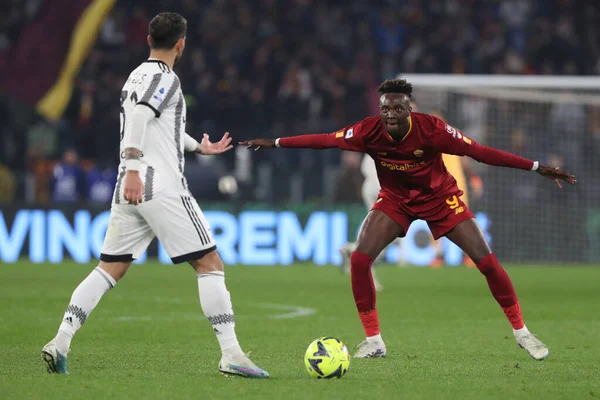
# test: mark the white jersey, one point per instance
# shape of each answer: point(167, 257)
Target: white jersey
point(370, 186)
point(155, 85)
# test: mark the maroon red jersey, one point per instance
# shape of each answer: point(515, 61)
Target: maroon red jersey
point(410, 170)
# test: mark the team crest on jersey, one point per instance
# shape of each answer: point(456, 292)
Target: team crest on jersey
point(418, 153)
point(349, 133)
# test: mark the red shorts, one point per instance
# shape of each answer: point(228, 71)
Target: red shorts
point(441, 217)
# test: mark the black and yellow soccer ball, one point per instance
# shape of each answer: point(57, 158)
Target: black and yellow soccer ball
point(327, 358)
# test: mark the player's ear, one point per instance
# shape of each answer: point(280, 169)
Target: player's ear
point(148, 40)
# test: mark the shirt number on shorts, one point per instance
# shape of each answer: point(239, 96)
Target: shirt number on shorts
point(455, 204)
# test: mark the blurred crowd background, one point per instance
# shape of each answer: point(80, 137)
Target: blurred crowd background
point(269, 68)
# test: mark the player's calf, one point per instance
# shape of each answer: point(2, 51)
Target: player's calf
point(83, 301)
point(215, 301)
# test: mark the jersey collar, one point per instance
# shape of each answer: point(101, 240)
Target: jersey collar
point(156, 60)
point(410, 125)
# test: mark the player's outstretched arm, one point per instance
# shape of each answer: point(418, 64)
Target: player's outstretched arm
point(446, 139)
point(346, 139)
point(491, 156)
point(206, 147)
point(312, 141)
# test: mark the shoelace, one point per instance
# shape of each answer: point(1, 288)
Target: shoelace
point(530, 339)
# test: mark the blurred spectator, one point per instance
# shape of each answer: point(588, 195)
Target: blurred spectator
point(275, 67)
point(68, 179)
point(7, 185)
point(100, 184)
point(348, 188)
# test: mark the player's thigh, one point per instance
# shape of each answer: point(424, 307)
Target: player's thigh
point(461, 228)
point(378, 230)
point(127, 237)
point(180, 226)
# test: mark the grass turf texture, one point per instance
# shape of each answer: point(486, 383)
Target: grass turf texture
point(446, 336)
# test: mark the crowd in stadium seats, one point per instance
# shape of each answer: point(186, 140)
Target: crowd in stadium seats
point(270, 68)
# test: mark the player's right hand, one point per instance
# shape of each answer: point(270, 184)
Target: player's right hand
point(257, 144)
point(133, 188)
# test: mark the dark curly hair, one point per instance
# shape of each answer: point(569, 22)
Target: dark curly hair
point(396, 86)
point(166, 29)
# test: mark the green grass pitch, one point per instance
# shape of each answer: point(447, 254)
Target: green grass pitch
point(446, 336)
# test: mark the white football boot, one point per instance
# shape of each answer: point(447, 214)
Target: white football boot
point(56, 362)
point(536, 349)
point(241, 366)
point(371, 349)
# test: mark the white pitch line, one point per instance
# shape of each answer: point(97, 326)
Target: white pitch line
point(132, 319)
point(294, 311)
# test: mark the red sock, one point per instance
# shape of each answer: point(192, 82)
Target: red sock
point(502, 289)
point(363, 290)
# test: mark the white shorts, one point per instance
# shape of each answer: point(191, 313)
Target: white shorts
point(175, 219)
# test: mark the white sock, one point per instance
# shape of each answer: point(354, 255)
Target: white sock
point(376, 338)
point(84, 299)
point(519, 333)
point(216, 306)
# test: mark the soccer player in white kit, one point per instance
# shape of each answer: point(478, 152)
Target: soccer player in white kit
point(151, 198)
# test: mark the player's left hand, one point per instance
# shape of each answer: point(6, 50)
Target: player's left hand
point(556, 175)
point(206, 147)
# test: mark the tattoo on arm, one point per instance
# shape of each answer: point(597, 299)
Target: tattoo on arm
point(132, 153)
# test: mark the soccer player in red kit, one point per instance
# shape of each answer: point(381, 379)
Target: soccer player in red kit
point(407, 148)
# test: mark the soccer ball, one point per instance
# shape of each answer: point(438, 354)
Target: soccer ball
point(327, 358)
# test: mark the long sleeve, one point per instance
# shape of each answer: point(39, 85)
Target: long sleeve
point(449, 140)
point(499, 158)
point(189, 143)
point(312, 141)
point(350, 138)
point(136, 131)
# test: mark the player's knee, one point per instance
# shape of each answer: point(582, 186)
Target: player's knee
point(116, 270)
point(363, 247)
point(488, 264)
point(480, 256)
point(360, 261)
point(209, 262)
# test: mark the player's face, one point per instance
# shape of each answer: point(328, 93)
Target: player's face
point(394, 109)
